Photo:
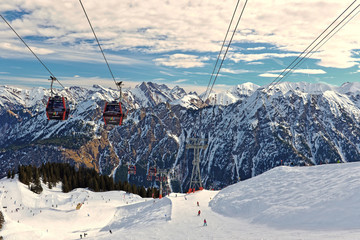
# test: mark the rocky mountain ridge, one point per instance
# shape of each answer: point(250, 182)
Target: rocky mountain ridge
point(249, 131)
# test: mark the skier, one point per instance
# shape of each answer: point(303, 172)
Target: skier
point(205, 224)
point(199, 213)
point(197, 204)
point(110, 231)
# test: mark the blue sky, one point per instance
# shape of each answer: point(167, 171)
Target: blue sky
point(174, 42)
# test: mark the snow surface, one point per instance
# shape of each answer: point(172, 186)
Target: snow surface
point(318, 202)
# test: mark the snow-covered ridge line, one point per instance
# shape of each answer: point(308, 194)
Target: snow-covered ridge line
point(150, 94)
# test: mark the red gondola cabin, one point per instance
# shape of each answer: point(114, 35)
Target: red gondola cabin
point(132, 169)
point(57, 108)
point(151, 173)
point(113, 114)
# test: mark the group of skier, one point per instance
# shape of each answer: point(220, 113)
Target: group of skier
point(199, 212)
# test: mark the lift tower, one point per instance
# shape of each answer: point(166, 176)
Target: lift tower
point(196, 144)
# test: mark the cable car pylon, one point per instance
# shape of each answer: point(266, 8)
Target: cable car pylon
point(197, 144)
point(162, 177)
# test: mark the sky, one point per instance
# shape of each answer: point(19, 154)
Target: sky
point(175, 42)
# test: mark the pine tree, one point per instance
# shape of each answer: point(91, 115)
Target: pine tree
point(148, 192)
point(2, 220)
point(65, 185)
point(96, 185)
point(142, 192)
point(134, 189)
point(45, 179)
point(22, 175)
point(29, 174)
point(111, 185)
point(36, 187)
point(102, 184)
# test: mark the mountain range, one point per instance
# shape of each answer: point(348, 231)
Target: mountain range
point(249, 130)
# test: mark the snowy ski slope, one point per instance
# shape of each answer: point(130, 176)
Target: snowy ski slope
point(319, 202)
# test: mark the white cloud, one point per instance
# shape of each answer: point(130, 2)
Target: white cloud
point(14, 49)
point(159, 79)
point(270, 75)
point(157, 26)
point(22, 49)
point(255, 48)
point(255, 63)
point(305, 71)
point(310, 71)
point(181, 61)
point(237, 57)
point(181, 80)
point(166, 73)
point(197, 73)
point(234, 71)
point(29, 82)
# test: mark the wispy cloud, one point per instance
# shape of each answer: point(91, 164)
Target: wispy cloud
point(256, 48)
point(181, 80)
point(166, 73)
point(6, 46)
point(305, 71)
point(237, 57)
point(175, 35)
point(197, 73)
point(255, 63)
point(269, 75)
point(181, 61)
point(178, 26)
point(234, 71)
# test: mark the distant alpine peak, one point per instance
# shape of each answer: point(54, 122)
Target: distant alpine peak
point(304, 87)
point(149, 94)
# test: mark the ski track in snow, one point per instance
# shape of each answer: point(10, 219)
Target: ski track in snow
point(293, 203)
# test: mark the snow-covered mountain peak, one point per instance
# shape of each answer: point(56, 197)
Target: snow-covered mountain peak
point(350, 87)
point(305, 87)
point(244, 89)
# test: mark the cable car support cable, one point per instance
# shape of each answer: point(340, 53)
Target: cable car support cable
point(317, 45)
point(312, 50)
point(227, 49)
point(97, 40)
point(222, 46)
point(52, 75)
point(291, 67)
